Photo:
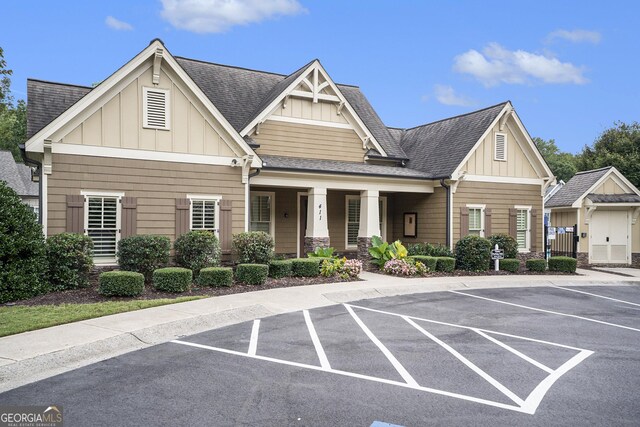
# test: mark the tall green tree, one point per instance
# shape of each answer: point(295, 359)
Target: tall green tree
point(13, 117)
point(617, 146)
point(563, 165)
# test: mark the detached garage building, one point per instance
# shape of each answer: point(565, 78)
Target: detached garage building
point(605, 206)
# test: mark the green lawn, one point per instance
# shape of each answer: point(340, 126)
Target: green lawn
point(20, 318)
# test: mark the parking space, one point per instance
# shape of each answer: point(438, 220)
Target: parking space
point(550, 355)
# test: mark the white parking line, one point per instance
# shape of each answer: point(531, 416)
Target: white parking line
point(253, 342)
point(514, 351)
point(324, 362)
point(595, 295)
point(547, 311)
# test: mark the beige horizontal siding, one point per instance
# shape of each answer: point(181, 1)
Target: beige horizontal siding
point(431, 219)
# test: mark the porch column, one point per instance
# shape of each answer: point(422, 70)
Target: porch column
point(317, 234)
point(369, 221)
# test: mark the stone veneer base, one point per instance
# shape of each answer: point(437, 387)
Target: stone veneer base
point(311, 243)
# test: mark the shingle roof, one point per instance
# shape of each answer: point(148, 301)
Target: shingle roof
point(439, 147)
point(17, 176)
point(47, 100)
point(576, 187)
point(339, 167)
point(614, 198)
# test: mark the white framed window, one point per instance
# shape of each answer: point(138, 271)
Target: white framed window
point(155, 108)
point(476, 219)
point(262, 215)
point(523, 228)
point(353, 220)
point(102, 213)
point(500, 147)
point(204, 212)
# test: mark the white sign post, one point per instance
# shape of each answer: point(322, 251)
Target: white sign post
point(496, 255)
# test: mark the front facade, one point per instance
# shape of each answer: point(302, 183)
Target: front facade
point(169, 144)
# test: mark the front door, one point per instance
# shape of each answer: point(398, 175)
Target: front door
point(609, 237)
point(302, 224)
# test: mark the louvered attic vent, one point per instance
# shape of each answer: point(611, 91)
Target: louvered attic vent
point(156, 108)
point(500, 147)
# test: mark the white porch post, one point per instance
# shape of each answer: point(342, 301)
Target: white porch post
point(369, 221)
point(317, 233)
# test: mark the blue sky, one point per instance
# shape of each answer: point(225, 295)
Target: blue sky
point(569, 67)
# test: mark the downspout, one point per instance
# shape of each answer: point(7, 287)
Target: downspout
point(447, 188)
point(247, 193)
point(38, 165)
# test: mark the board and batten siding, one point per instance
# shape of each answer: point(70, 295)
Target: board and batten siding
point(432, 217)
point(499, 198)
point(309, 141)
point(609, 186)
point(155, 184)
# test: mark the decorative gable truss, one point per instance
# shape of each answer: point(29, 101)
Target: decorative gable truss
point(314, 85)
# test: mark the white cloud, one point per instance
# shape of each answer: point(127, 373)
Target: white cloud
point(576, 36)
point(118, 25)
point(447, 96)
point(497, 65)
point(217, 16)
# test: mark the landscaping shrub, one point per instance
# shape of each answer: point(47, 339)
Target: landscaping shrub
point(381, 251)
point(23, 259)
point(252, 274)
point(563, 264)
point(306, 267)
point(341, 267)
point(196, 250)
point(280, 268)
point(215, 276)
point(172, 279)
point(70, 259)
point(473, 253)
point(121, 284)
point(442, 251)
point(510, 264)
point(399, 267)
point(321, 253)
point(143, 254)
point(427, 249)
point(428, 261)
point(536, 264)
point(505, 242)
point(253, 247)
point(445, 264)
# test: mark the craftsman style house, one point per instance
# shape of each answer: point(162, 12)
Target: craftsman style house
point(168, 144)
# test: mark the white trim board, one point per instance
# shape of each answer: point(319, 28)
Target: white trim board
point(310, 122)
point(502, 179)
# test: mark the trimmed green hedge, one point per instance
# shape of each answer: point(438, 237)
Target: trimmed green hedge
point(536, 264)
point(445, 264)
point(429, 261)
point(280, 268)
point(196, 250)
point(473, 253)
point(306, 267)
point(143, 254)
point(172, 279)
point(252, 274)
point(506, 243)
point(563, 264)
point(510, 264)
point(121, 284)
point(215, 276)
point(253, 247)
point(70, 258)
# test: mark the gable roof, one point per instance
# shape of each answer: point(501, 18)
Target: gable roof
point(17, 176)
point(614, 198)
point(576, 187)
point(439, 147)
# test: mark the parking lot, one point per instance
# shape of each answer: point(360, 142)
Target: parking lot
point(515, 356)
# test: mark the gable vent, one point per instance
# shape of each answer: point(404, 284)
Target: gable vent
point(501, 147)
point(156, 108)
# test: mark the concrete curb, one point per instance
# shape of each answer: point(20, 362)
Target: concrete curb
point(33, 356)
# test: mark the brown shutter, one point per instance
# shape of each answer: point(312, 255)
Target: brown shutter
point(182, 216)
point(534, 230)
point(225, 224)
point(129, 221)
point(75, 214)
point(513, 223)
point(464, 221)
point(487, 222)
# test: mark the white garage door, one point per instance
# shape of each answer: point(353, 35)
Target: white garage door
point(609, 237)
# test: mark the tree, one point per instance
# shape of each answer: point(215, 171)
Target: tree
point(5, 82)
point(618, 146)
point(13, 118)
point(563, 165)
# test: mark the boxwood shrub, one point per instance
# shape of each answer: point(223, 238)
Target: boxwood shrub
point(252, 274)
point(121, 284)
point(429, 261)
point(280, 268)
point(215, 276)
point(510, 264)
point(172, 279)
point(143, 254)
point(506, 243)
point(473, 253)
point(253, 247)
point(445, 264)
point(536, 264)
point(427, 249)
point(196, 250)
point(563, 264)
point(70, 258)
point(306, 267)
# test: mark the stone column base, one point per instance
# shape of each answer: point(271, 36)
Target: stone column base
point(524, 256)
point(364, 243)
point(311, 243)
point(583, 259)
point(635, 260)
